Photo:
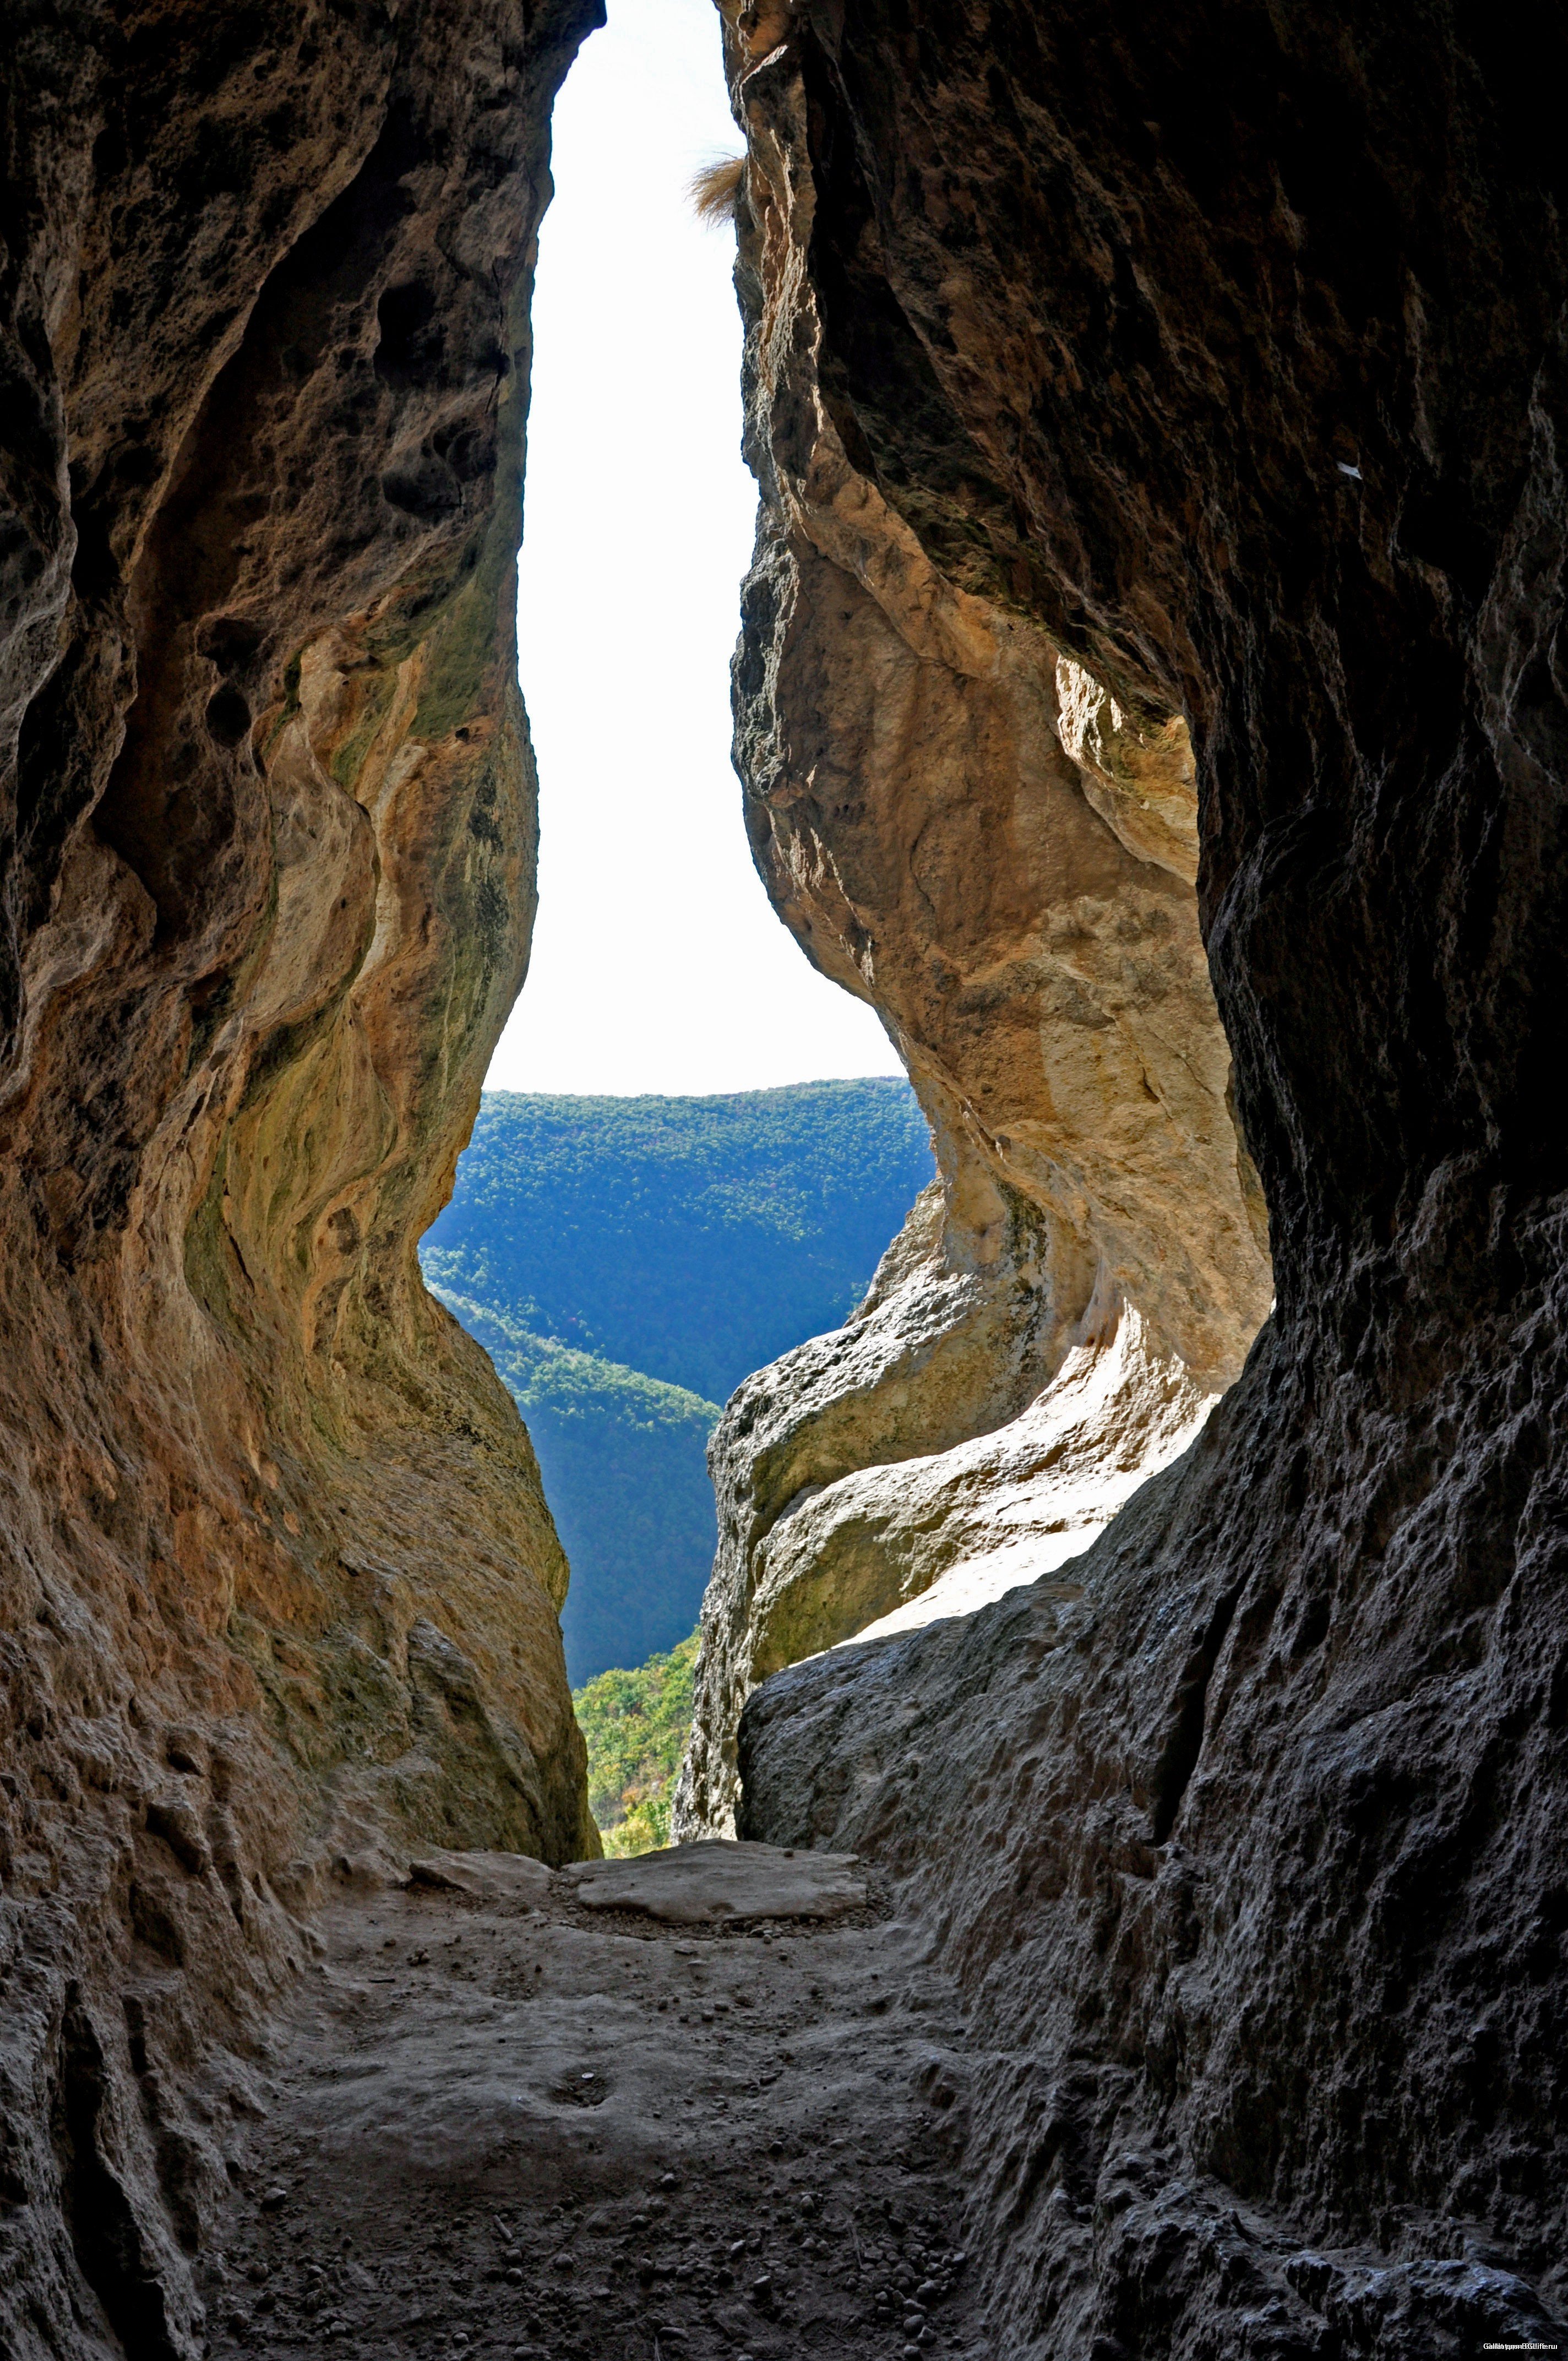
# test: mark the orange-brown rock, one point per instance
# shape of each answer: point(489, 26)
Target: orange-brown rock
point(279, 1586)
point(963, 825)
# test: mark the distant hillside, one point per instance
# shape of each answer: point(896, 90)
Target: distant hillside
point(624, 1462)
point(626, 1262)
point(693, 1239)
point(636, 1724)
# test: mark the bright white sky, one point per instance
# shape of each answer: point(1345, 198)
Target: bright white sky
point(658, 964)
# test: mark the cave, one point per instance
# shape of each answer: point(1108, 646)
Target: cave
point(1150, 698)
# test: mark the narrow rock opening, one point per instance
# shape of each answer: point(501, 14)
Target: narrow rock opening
point(1164, 1954)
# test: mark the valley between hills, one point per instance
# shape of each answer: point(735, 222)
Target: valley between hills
point(1119, 1908)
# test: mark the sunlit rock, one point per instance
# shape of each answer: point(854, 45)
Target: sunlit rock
point(962, 824)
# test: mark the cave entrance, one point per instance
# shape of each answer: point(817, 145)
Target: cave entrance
point(669, 1226)
point(1022, 847)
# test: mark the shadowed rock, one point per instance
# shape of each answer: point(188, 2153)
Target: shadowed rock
point(1222, 353)
point(992, 837)
point(279, 1589)
point(1152, 697)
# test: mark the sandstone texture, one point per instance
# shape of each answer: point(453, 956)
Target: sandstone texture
point(281, 1589)
point(907, 1468)
point(964, 824)
point(950, 1532)
point(1113, 372)
point(1152, 698)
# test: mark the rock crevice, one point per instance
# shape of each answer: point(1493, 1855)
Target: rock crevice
point(281, 1586)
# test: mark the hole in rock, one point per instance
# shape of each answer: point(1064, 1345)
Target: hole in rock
point(693, 1147)
point(639, 1227)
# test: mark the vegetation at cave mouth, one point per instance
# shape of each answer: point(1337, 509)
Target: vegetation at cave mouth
point(626, 1262)
point(636, 1725)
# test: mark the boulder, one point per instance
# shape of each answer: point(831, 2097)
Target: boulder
point(699, 1884)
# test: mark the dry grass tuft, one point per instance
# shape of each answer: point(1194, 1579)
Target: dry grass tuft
point(716, 189)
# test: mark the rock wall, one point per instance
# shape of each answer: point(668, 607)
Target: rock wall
point(962, 823)
point(279, 1585)
point(962, 1433)
point(1222, 353)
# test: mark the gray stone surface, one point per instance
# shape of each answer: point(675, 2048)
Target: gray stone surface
point(486, 2127)
point(490, 1875)
point(694, 1884)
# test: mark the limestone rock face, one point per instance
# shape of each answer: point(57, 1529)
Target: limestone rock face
point(956, 1437)
point(949, 1532)
point(279, 1586)
point(1220, 352)
point(964, 824)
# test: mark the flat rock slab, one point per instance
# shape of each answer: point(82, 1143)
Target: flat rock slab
point(486, 1876)
point(693, 1884)
point(487, 2131)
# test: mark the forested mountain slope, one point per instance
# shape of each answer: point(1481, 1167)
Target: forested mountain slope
point(626, 1262)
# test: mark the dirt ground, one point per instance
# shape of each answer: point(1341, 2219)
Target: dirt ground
point(509, 2124)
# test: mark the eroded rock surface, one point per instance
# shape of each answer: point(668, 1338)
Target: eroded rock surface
point(1111, 370)
point(940, 804)
point(943, 1536)
point(280, 1589)
point(701, 1884)
point(576, 2135)
point(1160, 417)
point(963, 823)
point(913, 1464)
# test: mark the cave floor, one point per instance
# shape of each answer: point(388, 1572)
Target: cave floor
point(495, 2128)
